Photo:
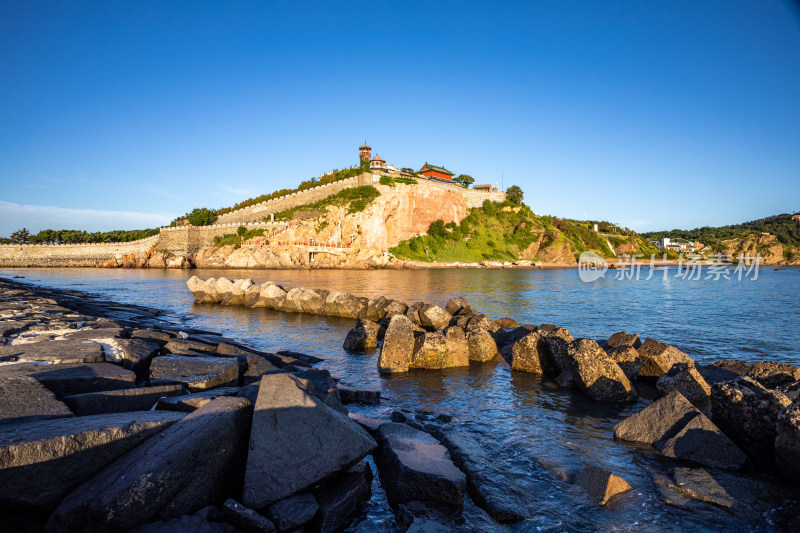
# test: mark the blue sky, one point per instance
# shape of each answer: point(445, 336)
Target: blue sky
point(654, 115)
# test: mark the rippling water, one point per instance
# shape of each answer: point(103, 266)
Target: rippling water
point(537, 435)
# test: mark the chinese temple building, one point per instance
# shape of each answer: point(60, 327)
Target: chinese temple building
point(365, 151)
point(436, 173)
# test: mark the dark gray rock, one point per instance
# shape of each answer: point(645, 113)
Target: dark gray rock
point(414, 466)
point(487, 486)
point(293, 511)
point(658, 358)
point(748, 413)
point(247, 519)
point(687, 380)
point(772, 375)
point(120, 401)
point(596, 374)
point(186, 524)
point(184, 346)
point(293, 431)
point(398, 347)
point(702, 442)
point(68, 379)
point(194, 463)
point(23, 399)
point(252, 367)
point(197, 373)
point(190, 402)
point(157, 335)
point(12, 327)
point(363, 336)
point(342, 497)
point(41, 461)
point(787, 443)
point(57, 352)
point(370, 424)
point(662, 419)
point(136, 355)
point(628, 360)
point(318, 381)
point(623, 339)
point(96, 333)
point(600, 484)
point(358, 395)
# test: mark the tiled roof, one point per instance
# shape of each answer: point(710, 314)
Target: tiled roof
point(443, 170)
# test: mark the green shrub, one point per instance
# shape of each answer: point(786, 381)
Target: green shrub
point(386, 180)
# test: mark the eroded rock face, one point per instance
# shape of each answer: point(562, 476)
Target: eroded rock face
point(748, 413)
point(414, 466)
point(628, 360)
point(687, 380)
point(526, 356)
point(433, 316)
point(456, 305)
point(398, 346)
point(272, 296)
point(773, 375)
point(457, 347)
point(341, 497)
point(623, 339)
point(432, 352)
point(658, 358)
point(363, 336)
point(598, 375)
point(481, 345)
point(188, 466)
point(294, 431)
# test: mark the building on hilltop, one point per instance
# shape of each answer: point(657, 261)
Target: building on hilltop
point(377, 163)
point(677, 245)
point(365, 151)
point(432, 172)
point(484, 188)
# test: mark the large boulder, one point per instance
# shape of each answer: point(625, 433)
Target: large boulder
point(596, 374)
point(679, 430)
point(628, 359)
point(54, 352)
point(431, 353)
point(433, 316)
point(658, 358)
point(135, 354)
point(295, 432)
point(341, 497)
point(251, 295)
point(292, 302)
point(293, 512)
point(481, 345)
point(376, 308)
point(197, 373)
point(773, 375)
point(787, 442)
point(23, 399)
point(526, 355)
point(414, 466)
point(394, 307)
point(748, 413)
point(120, 401)
point(723, 371)
point(272, 296)
point(194, 463)
point(346, 305)
point(457, 348)
point(458, 306)
point(398, 346)
point(554, 343)
point(687, 380)
point(623, 339)
point(600, 484)
point(200, 291)
point(41, 461)
point(236, 293)
point(363, 336)
point(223, 289)
point(190, 402)
point(64, 380)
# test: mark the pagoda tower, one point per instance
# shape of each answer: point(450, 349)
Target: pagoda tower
point(365, 151)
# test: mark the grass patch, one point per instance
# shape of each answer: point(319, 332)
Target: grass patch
point(358, 198)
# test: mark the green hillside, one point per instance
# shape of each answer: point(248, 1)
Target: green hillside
point(786, 230)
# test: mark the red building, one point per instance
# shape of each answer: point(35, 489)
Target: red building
point(434, 172)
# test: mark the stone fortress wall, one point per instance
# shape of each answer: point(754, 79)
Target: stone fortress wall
point(183, 240)
point(60, 255)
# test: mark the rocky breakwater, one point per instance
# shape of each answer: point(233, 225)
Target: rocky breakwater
point(112, 419)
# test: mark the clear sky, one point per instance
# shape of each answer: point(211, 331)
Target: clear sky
point(654, 115)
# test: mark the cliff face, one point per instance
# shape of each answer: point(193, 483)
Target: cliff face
point(772, 251)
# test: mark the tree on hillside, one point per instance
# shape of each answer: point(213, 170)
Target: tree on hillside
point(409, 170)
point(20, 236)
point(201, 216)
point(514, 194)
point(464, 179)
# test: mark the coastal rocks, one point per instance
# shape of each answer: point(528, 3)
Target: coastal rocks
point(596, 374)
point(246, 519)
point(65, 380)
point(458, 306)
point(363, 336)
point(431, 352)
point(135, 354)
point(197, 373)
point(200, 290)
point(433, 316)
point(23, 399)
point(623, 339)
point(773, 375)
point(787, 443)
point(272, 296)
point(357, 395)
point(679, 430)
point(627, 357)
point(413, 466)
point(526, 356)
point(457, 348)
point(748, 413)
point(41, 461)
point(600, 484)
point(687, 380)
point(658, 358)
point(342, 496)
point(120, 401)
point(191, 402)
point(294, 432)
point(345, 305)
point(191, 464)
point(398, 346)
point(481, 345)
point(56, 352)
point(293, 511)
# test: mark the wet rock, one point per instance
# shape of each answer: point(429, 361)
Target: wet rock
point(600, 484)
point(699, 484)
point(56, 352)
point(486, 485)
point(294, 432)
point(293, 511)
point(197, 373)
point(414, 466)
point(370, 424)
point(748, 413)
point(183, 346)
point(65, 380)
point(191, 464)
point(358, 395)
point(433, 316)
point(23, 399)
point(772, 375)
point(787, 442)
point(507, 323)
point(247, 519)
point(662, 419)
point(687, 380)
point(398, 346)
point(481, 345)
point(41, 461)
point(526, 356)
point(272, 296)
point(395, 307)
point(628, 360)
point(432, 351)
point(702, 442)
point(456, 348)
point(363, 336)
point(412, 312)
point(623, 339)
point(376, 308)
point(120, 401)
point(596, 374)
point(342, 497)
point(658, 358)
point(190, 402)
point(554, 343)
point(200, 290)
